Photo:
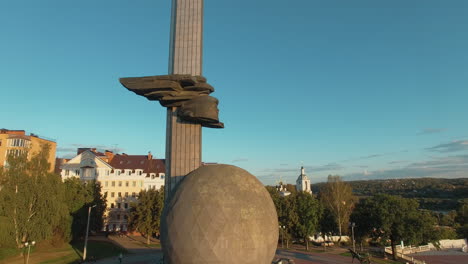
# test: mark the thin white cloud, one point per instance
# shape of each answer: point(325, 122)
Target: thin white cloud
point(240, 160)
point(71, 150)
point(454, 146)
point(427, 131)
point(441, 167)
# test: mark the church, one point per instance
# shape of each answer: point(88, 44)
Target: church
point(303, 182)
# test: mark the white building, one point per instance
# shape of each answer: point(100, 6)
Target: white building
point(303, 182)
point(121, 177)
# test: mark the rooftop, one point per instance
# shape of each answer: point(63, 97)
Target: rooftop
point(22, 133)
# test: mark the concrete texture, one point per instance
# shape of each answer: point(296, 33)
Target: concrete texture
point(219, 214)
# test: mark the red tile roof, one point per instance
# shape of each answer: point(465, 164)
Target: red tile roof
point(133, 162)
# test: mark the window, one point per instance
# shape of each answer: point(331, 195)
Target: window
point(18, 142)
point(118, 172)
point(107, 172)
point(15, 152)
point(140, 172)
point(134, 183)
point(133, 194)
point(129, 172)
point(112, 194)
point(0, 142)
point(113, 183)
point(118, 217)
point(105, 194)
point(126, 184)
point(112, 205)
point(77, 172)
point(120, 183)
point(126, 217)
point(141, 183)
point(67, 172)
point(120, 194)
point(126, 205)
point(106, 183)
point(126, 194)
point(118, 205)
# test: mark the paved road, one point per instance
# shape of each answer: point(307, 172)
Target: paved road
point(142, 255)
point(312, 258)
point(298, 257)
point(443, 256)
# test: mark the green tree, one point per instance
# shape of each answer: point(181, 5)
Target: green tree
point(146, 213)
point(393, 218)
point(31, 199)
point(287, 213)
point(337, 196)
point(328, 224)
point(79, 196)
point(462, 220)
point(308, 212)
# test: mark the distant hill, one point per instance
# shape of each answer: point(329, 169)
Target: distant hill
point(432, 193)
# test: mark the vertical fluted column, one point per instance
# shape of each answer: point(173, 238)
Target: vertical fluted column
point(183, 139)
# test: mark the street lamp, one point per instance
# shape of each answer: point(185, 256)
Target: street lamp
point(29, 244)
point(87, 231)
point(282, 235)
point(352, 232)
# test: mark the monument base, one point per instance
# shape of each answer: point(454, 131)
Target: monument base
point(219, 214)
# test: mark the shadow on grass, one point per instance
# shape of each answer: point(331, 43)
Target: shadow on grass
point(95, 250)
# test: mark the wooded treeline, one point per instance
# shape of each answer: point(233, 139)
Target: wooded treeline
point(432, 193)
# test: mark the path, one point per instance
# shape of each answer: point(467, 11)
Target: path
point(442, 256)
point(301, 257)
point(145, 255)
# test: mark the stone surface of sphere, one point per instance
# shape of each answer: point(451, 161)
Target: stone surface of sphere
point(219, 214)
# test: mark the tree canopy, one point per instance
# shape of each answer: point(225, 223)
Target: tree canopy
point(337, 196)
point(385, 217)
point(31, 200)
point(308, 215)
point(36, 205)
point(146, 213)
point(79, 196)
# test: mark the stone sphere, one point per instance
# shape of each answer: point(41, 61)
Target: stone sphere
point(219, 214)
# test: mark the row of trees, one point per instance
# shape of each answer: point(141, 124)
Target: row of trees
point(36, 205)
point(383, 219)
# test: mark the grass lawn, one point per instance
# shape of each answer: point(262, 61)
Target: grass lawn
point(96, 249)
point(154, 245)
point(8, 252)
point(68, 254)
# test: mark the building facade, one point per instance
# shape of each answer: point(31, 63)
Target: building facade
point(16, 142)
point(303, 182)
point(121, 177)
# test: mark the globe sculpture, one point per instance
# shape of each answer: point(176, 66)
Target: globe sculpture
point(219, 214)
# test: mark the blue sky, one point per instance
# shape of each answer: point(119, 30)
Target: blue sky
point(363, 89)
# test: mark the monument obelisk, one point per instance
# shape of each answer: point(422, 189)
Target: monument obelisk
point(184, 139)
point(183, 91)
point(217, 214)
